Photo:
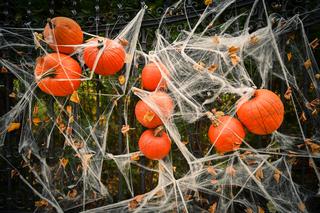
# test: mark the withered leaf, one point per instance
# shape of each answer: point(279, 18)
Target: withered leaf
point(41, 203)
point(260, 210)
point(259, 174)
point(213, 68)
point(315, 43)
point(277, 175)
point(207, 2)
point(125, 129)
point(64, 162)
point(249, 210)
point(303, 117)
point(13, 95)
point(211, 170)
point(187, 197)
point(254, 40)
point(289, 56)
point(14, 172)
point(213, 208)
point(75, 97)
point(200, 66)
point(215, 39)
point(301, 207)
point(288, 93)
point(148, 116)
point(122, 79)
point(72, 193)
point(307, 64)
point(69, 110)
point(233, 50)
point(3, 70)
point(13, 126)
point(230, 171)
point(124, 42)
point(135, 156)
point(317, 76)
point(234, 59)
point(36, 121)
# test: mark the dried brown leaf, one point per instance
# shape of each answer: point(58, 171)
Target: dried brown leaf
point(125, 129)
point(14, 172)
point(124, 42)
point(41, 203)
point(301, 207)
point(234, 59)
point(213, 208)
point(289, 56)
point(307, 64)
point(200, 66)
point(249, 210)
point(288, 94)
point(259, 174)
point(72, 193)
point(213, 68)
point(230, 171)
point(135, 156)
point(233, 50)
point(254, 40)
point(36, 121)
point(277, 175)
point(315, 43)
point(303, 117)
point(3, 70)
point(64, 162)
point(215, 39)
point(260, 210)
point(207, 2)
point(211, 170)
point(69, 110)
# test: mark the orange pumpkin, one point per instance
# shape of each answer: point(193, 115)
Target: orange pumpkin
point(151, 76)
point(50, 71)
point(111, 59)
point(147, 117)
point(227, 134)
point(154, 145)
point(263, 113)
point(60, 32)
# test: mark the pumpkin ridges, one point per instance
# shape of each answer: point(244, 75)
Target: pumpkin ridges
point(278, 118)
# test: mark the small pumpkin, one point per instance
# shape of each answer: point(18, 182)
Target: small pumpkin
point(155, 144)
point(226, 134)
point(151, 76)
point(50, 71)
point(147, 117)
point(111, 59)
point(263, 113)
point(60, 32)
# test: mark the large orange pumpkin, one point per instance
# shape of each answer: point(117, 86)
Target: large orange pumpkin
point(226, 134)
point(50, 71)
point(147, 117)
point(154, 145)
point(60, 32)
point(151, 76)
point(263, 113)
point(110, 61)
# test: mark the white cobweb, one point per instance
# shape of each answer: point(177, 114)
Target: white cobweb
point(257, 177)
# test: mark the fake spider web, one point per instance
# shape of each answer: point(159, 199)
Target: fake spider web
point(202, 75)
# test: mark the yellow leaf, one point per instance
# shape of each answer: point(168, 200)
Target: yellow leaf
point(36, 121)
point(64, 162)
point(207, 2)
point(289, 56)
point(122, 79)
point(260, 210)
point(13, 126)
point(148, 116)
point(75, 97)
point(307, 64)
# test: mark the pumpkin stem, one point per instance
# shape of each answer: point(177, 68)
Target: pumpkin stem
point(100, 43)
point(214, 116)
point(51, 25)
point(158, 131)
